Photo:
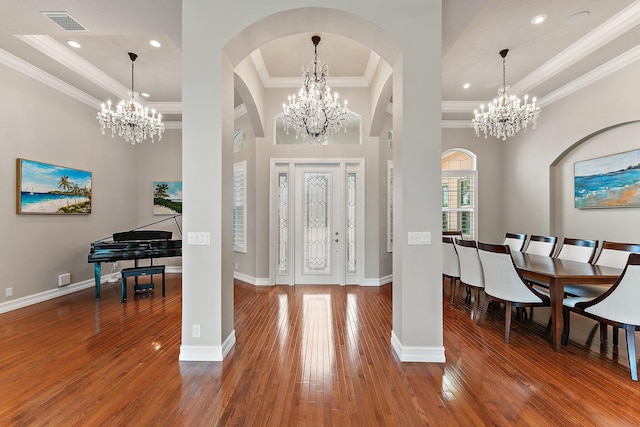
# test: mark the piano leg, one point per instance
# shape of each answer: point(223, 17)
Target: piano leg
point(96, 278)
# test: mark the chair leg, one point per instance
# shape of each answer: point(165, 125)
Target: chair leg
point(507, 321)
point(453, 288)
point(485, 307)
point(615, 336)
point(603, 333)
point(566, 315)
point(631, 349)
point(476, 303)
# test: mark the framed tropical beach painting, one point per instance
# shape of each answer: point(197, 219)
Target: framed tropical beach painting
point(49, 189)
point(608, 182)
point(167, 197)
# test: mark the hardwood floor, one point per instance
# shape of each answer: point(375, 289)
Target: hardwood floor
point(306, 355)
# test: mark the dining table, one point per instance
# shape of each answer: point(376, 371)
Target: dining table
point(557, 273)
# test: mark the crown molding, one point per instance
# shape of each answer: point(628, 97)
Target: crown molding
point(166, 107)
point(296, 82)
point(610, 67)
point(456, 124)
point(611, 29)
point(59, 53)
point(173, 125)
point(239, 111)
point(35, 73)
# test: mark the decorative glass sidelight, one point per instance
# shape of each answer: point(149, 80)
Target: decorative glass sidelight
point(317, 223)
point(283, 223)
point(351, 223)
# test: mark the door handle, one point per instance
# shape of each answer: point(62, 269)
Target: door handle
point(336, 240)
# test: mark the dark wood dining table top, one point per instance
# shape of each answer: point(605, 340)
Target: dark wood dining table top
point(568, 271)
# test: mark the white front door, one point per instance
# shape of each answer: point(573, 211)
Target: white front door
point(319, 224)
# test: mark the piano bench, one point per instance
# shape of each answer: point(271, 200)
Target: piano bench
point(148, 270)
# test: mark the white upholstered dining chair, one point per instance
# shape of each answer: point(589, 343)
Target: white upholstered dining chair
point(541, 245)
point(612, 254)
point(618, 306)
point(581, 250)
point(450, 264)
point(503, 284)
point(471, 274)
point(514, 241)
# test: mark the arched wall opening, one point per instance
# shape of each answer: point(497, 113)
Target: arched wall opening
point(604, 223)
point(212, 48)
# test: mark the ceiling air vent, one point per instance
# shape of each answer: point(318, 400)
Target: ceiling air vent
point(65, 21)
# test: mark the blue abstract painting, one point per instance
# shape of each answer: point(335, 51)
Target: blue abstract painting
point(606, 182)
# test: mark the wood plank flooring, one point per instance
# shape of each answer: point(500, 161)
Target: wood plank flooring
point(305, 355)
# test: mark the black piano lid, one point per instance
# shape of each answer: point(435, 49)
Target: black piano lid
point(142, 235)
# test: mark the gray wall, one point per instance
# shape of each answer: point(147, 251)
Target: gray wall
point(529, 157)
point(42, 124)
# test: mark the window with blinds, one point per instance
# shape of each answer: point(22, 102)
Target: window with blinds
point(239, 207)
point(459, 189)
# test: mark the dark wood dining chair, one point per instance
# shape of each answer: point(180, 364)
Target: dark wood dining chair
point(504, 284)
point(450, 264)
point(581, 250)
point(514, 241)
point(541, 245)
point(471, 274)
point(618, 307)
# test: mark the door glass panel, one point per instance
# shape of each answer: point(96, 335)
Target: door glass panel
point(317, 223)
point(283, 223)
point(351, 223)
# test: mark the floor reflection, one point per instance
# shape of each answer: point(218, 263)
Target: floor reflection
point(317, 351)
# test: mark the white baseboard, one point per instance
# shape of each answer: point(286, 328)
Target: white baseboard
point(256, 281)
point(65, 290)
point(378, 282)
point(417, 354)
point(47, 295)
point(205, 353)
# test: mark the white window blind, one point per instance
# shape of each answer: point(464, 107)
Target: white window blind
point(459, 202)
point(239, 207)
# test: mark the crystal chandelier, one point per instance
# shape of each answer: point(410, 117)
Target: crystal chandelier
point(315, 113)
point(130, 119)
point(506, 115)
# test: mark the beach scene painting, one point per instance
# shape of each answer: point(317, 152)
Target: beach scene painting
point(167, 197)
point(50, 189)
point(608, 182)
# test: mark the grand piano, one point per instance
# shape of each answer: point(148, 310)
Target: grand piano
point(132, 245)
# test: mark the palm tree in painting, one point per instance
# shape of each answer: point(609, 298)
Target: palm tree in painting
point(161, 191)
point(65, 185)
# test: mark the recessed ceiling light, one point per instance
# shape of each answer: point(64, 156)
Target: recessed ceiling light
point(539, 19)
point(74, 43)
point(155, 43)
point(466, 86)
point(577, 17)
point(146, 95)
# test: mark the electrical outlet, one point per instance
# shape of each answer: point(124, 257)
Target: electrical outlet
point(196, 331)
point(8, 292)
